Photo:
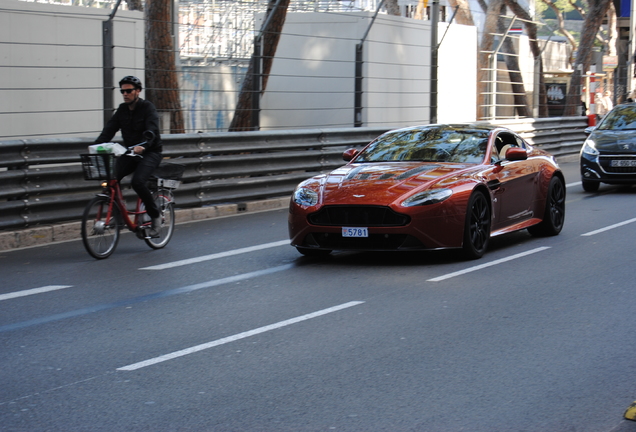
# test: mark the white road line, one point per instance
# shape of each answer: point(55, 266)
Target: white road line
point(591, 233)
point(216, 255)
point(236, 337)
point(32, 291)
point(489, 264)
point(573, 184)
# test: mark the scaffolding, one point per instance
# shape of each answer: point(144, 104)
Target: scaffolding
point(213, 31)
point(223, 30)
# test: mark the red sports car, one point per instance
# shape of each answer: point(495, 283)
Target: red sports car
point(430, 187)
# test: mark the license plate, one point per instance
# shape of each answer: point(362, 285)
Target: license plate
point(623, 163)
point(355, 232)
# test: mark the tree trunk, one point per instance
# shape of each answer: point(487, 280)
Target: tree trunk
point(562, 28)
point(419, 10)
point(162, 84)
point(612, 32)
point(463, 15)
point(392, 7)
point(516, 80)
point(593, 21)
point(531, 30)
point(135, 5)
point(484, 55)
point(242, 120)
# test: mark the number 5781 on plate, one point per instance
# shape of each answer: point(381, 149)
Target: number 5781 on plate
point(355, 232)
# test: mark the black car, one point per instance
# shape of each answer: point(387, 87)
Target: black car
point(609, 152)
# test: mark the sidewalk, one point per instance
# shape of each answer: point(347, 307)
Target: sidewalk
point(44, 234)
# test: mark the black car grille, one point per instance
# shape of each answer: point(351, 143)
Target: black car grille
point(364, 216)
point(605, 162)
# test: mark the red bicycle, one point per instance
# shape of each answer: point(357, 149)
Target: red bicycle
point(107, 213)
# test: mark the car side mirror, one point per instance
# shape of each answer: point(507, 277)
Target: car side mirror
point(588, 130)
point(348, 155)
point(516, 154)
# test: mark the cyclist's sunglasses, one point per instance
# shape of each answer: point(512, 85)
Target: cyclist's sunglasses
point(127, 90)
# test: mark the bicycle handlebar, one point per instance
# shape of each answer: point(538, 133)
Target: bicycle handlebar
point(131, 150)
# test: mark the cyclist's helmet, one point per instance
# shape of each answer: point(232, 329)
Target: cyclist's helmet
point(129, 79)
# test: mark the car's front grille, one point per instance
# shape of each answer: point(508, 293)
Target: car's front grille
point(365, 216)
point(605, 162)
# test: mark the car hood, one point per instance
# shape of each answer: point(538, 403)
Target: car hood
point(383, 183)
point(615, 141)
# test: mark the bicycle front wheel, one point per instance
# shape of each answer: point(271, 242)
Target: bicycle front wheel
point(100, 233)
point(165, 205)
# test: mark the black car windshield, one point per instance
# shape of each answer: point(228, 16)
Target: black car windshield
point(434, 144)
point(623, 117)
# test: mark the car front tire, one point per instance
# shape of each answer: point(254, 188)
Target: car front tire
point(590, 186)
point(477, 227)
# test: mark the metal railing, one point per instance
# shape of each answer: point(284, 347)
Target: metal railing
point(43, 182)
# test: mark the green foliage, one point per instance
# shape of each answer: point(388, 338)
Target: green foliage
point(566, 8)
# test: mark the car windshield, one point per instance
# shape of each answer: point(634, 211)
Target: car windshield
point(623, 117)
point(435, 144)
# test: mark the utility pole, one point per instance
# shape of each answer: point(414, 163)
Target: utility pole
point(357, 98)
point(108, 63)
point(434, 60)
point(257, 75)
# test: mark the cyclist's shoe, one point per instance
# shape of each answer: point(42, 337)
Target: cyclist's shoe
point(155, 230)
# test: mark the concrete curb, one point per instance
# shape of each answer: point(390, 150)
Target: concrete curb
point(41, 235)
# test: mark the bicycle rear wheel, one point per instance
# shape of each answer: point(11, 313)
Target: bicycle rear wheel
point(165, 204)
point(99, 235)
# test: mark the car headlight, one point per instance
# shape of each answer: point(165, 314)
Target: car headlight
point(428, 197)
point(305, 197)
point(589, 147)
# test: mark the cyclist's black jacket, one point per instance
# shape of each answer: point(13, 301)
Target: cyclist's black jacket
point(133, 124)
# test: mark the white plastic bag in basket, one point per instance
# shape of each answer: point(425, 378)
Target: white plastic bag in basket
point(114, 148)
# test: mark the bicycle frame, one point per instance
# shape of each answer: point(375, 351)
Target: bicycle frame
point(117, 198)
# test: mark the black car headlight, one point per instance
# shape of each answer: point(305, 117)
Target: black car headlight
point(305, 197)
point(589, 148)
point(428, 197)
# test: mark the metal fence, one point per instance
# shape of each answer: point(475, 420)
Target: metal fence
point(43, 182)
point(53, 85)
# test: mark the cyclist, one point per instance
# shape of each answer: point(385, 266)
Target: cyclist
point(135, 118)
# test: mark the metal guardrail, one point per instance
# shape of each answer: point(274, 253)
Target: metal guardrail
point(42, 182)
point(557, 135)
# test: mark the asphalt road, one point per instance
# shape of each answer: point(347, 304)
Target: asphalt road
point(230, 329)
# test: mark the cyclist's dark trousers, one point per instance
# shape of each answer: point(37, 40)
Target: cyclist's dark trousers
point(142, 169)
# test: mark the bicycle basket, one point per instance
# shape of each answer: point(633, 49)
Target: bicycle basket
point(99, 166)
point(168, 175)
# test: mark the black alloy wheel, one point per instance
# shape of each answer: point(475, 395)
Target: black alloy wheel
point(554, 214)
point(477, 228)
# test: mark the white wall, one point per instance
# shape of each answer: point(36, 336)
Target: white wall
point(52, 67)
point(457, 74)
point(397, 72)
point(314, 67)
